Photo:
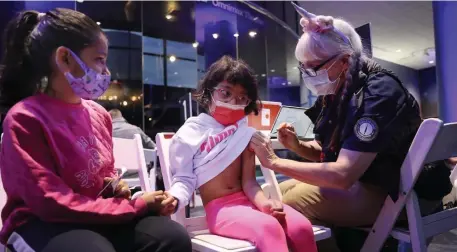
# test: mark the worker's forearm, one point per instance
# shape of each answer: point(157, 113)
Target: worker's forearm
point(309, 150)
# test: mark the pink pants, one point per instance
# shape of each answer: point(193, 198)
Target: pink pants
point(236, 217)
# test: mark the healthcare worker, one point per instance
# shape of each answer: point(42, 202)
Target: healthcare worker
point(365, 121)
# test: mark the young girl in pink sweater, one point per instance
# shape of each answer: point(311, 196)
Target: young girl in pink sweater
point(57, 149)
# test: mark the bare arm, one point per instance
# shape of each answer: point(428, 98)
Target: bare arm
point(250, 186)
point(342, 174)
point(310, 150)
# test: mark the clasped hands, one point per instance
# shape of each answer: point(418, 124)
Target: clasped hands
point(273, 208)
point(158, 202)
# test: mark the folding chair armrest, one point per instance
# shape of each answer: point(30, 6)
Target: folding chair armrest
point(266, 188)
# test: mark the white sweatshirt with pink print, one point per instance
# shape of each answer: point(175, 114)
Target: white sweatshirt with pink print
point(201, 149)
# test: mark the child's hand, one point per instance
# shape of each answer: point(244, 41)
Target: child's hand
point(121, 190)
point(154, 201)
point(168, 205)
point(274, 208)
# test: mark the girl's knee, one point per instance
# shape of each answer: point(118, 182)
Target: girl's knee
point(79, 240)
point(157, 231)
point(296, 222)
point(269, 226)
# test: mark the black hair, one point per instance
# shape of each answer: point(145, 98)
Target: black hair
point(29, 41)
point(235, 72)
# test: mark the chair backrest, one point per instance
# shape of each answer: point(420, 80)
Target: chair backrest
point(434, 141)
point(129, 153)
point(272, 188)
point(163, 141)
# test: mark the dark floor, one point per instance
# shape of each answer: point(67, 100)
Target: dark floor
point(446, 242)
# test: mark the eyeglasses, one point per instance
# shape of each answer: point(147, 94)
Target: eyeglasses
point(226, 96)
point(312, 72)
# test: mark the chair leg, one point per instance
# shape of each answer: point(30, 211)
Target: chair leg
point(383, 225)
point(416, 231)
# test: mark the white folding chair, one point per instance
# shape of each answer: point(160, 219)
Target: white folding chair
point(129, 153)
point(434, 141)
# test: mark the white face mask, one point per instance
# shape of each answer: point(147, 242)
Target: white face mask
point(321, 84)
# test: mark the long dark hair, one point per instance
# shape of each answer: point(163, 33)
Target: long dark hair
point(234, 72)
point(29, 41)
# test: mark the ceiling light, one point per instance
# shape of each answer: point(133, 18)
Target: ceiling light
point(283, 83)
point(80, 1)
point(236, 35)
point(263, 75)
point(125, 103)
point(168, 16)
point(150, 119)
point(195, 44)
point(398, 50)
point(172, 58)
point(272, 70)
point(290, 83)
point(252, 34)
point(98, 23)
point(133, 98)
point(431, 62)
point(176, 73)
point(215, 35)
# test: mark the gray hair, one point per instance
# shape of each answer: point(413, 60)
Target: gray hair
point(319, 46)
point(339, 38)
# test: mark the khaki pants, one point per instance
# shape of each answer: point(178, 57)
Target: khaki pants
point(358, 206)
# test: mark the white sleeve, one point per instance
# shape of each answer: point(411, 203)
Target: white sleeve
point(184, 179)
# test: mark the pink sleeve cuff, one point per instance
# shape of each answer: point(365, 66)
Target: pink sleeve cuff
point(140, 206)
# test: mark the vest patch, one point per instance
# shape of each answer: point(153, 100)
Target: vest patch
point(366, 129)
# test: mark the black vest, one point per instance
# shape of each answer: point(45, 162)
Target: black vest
point(433, 183)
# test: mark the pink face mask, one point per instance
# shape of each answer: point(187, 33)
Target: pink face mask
point(227, 114)
point(90, 86)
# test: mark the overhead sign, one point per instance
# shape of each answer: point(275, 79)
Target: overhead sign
point(230, 8)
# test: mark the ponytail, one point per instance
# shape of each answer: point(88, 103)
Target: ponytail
point(18, 78)
point(344, 95)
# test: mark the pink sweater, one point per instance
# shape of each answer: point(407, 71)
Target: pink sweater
point(53, 159)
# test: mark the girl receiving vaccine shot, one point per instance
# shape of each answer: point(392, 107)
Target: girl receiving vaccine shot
point(210, 152)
